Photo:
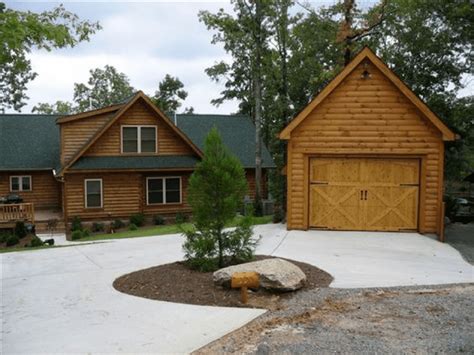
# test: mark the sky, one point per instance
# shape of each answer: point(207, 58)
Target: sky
point(143, 39)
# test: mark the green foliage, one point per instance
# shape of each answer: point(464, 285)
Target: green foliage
point(58, 108)
point(203, 250)
point(97, 227)
point(12, 240)
point(77, 234)
point(86, 233)
point(132, 227)
point(20, 32)
point(20, 229)
point(181, 218)
point(215, 192)
point(239, 244)
point(117, 224)
point(169, 95)
point(76, 224)
point(105, 87)
point(137, 219)
point(158, 220)
point(200, 250)
point(4, 236)
point(36, 242)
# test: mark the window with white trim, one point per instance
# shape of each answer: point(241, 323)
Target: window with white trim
point(163, 190)
point(138, 139)
point(20, 183)
point(93, 193)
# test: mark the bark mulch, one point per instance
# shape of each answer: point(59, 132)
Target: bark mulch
point(175, 282)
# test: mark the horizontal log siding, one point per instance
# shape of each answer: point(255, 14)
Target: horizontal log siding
point(250, 175)
point(123, 195)
point(75, 134)
point(169, 143)
point(46, 192)
point(367, 117)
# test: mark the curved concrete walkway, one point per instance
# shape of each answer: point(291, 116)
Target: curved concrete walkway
point(62, 299)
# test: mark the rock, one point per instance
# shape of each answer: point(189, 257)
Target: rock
point(275, 274)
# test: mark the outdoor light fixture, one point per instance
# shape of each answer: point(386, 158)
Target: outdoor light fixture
point(365, 74)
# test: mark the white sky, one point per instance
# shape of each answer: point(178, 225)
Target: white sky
point(145, 40)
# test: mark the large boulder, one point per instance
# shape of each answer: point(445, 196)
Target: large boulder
point(275, 274)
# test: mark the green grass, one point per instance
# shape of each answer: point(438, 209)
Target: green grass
point(161, 230)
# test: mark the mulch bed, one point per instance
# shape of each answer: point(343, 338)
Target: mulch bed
point(175, 282)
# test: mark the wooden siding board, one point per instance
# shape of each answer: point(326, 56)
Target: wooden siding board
point(45, 193)
point(377, 120)
point(139, 114)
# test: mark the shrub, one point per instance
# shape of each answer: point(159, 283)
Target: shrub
point(36, 242)
point(158, 220)
point(77, 234)
point(277, 215)
point(180, 218)
point(97, 227)
point(215, 192)
point(137, 219)
point(12, 240)
point(4, 236)
point(76, 224)
point(20, 229)
point(258, 208)
point(239, 244)
point(132, 227)
point(117, 224)
point(200, 250)
point(86, 233)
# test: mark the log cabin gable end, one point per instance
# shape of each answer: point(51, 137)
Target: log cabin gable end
point(116, 119)
point(345, 91)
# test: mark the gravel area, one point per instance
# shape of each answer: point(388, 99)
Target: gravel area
point(427, 319)
point(461, 237)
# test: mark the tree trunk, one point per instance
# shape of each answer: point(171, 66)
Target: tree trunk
point(258, 102)
point(221, 252)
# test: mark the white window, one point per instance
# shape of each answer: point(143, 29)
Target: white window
point(20, 183)
point(163, 190)
point(138, 139)
point(93, 193)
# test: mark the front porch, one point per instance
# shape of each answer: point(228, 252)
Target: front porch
point(44, 219)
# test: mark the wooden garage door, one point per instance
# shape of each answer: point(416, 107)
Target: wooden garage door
point(364, 194)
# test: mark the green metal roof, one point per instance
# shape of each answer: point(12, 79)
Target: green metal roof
point(156, 162)
point(28, 142)
point(237, 132)
point(31, 142)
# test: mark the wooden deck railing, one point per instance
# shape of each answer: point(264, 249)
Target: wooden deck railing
point(17, 212)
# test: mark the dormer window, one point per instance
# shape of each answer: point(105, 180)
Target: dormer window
point(139, 139)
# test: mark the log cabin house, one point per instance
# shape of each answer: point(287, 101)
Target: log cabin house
point(366, 154)
point(116, 161)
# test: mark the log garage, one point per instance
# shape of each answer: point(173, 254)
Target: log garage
point(366, 154)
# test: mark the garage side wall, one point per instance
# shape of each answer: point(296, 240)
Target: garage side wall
point(366, 117)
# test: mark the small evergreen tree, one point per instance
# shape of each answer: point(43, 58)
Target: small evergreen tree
point(215, 192)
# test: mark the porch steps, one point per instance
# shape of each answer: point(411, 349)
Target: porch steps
point(42, 227)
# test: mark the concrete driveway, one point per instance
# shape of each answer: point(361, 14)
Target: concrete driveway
point(62, 299)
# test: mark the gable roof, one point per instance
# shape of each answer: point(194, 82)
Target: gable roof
point(29, 142)
point(138, 96)
point(237, 132)
point(367, 53)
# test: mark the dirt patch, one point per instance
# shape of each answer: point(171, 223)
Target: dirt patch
point(161, 283)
